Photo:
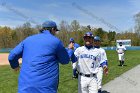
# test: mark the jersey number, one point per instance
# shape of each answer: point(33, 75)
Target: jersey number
point(92, 65)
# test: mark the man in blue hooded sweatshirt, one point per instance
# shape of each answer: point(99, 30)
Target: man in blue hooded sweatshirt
point(41, 55)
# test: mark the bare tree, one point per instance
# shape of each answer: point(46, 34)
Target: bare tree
point(75, 26)
point(137, 23)
point(64, 32)
point(137, 26)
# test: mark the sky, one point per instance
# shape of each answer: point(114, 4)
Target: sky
point(117, 15)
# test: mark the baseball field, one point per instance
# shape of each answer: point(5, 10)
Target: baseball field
point(8, 78)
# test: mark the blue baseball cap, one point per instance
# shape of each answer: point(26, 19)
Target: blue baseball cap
point(50, 24)
point(97, 38)
point(71, 39)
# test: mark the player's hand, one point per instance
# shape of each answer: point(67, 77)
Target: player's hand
point(71, 46)
point(75, 77)
point(17, 69)
point(75, 74)
point(105, 70)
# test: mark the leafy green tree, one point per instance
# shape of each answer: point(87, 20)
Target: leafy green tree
point(5, 37)
point(111, 35)
point(101, 33)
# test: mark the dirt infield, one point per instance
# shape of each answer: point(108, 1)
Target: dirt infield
point(4, 59)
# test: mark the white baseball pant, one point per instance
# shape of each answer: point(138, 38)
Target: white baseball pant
point(87, 84)
point(121, 56)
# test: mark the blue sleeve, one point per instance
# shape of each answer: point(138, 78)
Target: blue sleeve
point(62, 54)
point(69, 51)
point(15, 54)
point(73, 58)
point(78, 45)
point(71, 55)
point(74, 72)
point(104, 63)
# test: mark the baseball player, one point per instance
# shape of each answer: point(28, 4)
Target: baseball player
point(75, 46)
point(120, 50)
point(87, 65)
point(97, 43)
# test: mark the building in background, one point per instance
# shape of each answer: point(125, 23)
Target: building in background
point(126, 42)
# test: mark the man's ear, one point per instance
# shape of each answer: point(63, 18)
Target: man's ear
point(52, 28)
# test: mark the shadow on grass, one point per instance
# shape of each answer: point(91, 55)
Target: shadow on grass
point(104, 91)
point(121, 65)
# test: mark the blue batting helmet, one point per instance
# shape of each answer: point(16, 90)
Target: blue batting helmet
point(49, 24)
point(97, 38)
point(89, 34)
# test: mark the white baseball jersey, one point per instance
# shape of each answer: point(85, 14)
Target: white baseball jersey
point(120, 49)
point(88, 60)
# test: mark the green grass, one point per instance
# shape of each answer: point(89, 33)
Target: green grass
point(8, 79)
point(131, 59)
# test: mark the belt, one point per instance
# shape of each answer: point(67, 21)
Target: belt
point(120, 53)
point(87, 75)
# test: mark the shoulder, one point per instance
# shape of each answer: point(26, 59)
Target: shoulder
point(43, 36)
point(44, 39)
point(29, 38)
point(97, 49)
point(102, 50)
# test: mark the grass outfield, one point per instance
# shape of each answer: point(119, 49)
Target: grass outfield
point(8, 78)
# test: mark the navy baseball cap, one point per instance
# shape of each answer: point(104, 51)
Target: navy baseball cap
point(120, 43)
point(97, 38)
point(50, 24)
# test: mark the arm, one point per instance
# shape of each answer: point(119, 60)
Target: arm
point(14, 55)
point(103, 58)
point(116, 49)
point(74, 65)
point(62, 54)
point(104, 62)
point(105, 67)
point(124, 48)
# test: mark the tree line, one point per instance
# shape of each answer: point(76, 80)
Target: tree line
point(10, 37)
